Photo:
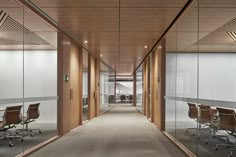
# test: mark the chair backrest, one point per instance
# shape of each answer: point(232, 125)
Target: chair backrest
point(12, 115)
point(192, 111)
point(227, 119)
point(205, 115)
point(122, 97)
point(33, 111)
point(130, 97)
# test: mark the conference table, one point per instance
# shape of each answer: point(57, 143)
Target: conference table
point(2, 109)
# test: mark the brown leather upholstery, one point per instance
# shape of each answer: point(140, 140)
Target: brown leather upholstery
point(205, 115)
point(192, 111)
point(227, 119)
point(33, 111)
point(12, 115)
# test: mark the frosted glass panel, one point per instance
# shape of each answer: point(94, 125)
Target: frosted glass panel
point(11, 69)
point(40, 73)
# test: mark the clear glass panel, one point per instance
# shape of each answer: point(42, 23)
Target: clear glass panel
point(139, 89)
point(187, 78)
point(124, 91)
point(171, 61)
point(11, 71)
point(150, 66)
point(39, 115)
point(85, 86)
point(217, 63)
point(106, 88)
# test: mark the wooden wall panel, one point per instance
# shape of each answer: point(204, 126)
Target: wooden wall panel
point(97, 88)
point(158, 84)
point(69, 92)
point(91, 87)
point(63, 87)
point(75, 87)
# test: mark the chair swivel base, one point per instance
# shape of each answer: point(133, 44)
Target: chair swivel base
point(28, 130)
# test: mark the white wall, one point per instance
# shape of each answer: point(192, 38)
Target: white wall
point(40, 79)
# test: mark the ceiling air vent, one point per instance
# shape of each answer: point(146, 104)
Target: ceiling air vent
point(232, 35)
point(13, 32)
point(232, 22)
point(8, 24)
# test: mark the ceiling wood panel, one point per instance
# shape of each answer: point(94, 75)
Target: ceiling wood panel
point(120, 39)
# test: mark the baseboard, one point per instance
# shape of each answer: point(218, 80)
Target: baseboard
point(179, 145)
point(37, 147)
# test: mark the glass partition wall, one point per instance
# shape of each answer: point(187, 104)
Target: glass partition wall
point(107, 87)
point(85, 86)
point(28, 68)
point(139, 89)
point(200, 79)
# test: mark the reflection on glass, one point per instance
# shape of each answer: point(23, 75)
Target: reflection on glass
point(28, 80)
point(200, 82)
point(85, 86)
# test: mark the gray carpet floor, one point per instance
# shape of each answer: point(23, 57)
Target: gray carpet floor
point(121, 132)
point(48, 131)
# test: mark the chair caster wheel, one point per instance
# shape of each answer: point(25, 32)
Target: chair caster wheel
point(40, 132)
point(10, 145)
point(216, 148)
point(206, 142)
point(22, 140)
point(32, 135)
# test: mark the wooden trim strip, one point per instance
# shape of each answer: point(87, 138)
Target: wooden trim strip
point(37, 147)
point(179, 145)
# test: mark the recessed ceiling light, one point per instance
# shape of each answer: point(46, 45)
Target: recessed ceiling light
point(100, 55)
point(139, 57)
point(85, 41)
point(145, 46)
point(159, 47)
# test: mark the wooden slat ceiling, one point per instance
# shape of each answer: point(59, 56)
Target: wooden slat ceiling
point(119, 34)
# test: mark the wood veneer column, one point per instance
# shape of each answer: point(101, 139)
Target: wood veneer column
point(97, 88)
point(91, 87)
point(63, 90)
point(158, 84)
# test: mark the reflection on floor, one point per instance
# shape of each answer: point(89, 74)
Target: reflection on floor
point(198, 146)
point(121, 132)
point(48, 131)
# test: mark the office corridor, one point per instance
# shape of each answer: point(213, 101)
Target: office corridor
point(121, 132)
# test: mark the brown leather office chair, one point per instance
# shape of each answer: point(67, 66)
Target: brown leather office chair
point(193, 114)
point(227, 122)
point(206, 122)
point(123, 98)
point(31, 115)
point(130, 98)
point(10, 119)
